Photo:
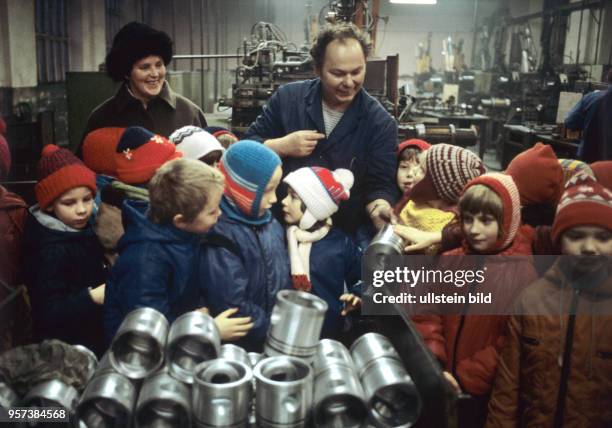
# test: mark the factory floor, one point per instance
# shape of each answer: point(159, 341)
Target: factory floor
point(223, 119)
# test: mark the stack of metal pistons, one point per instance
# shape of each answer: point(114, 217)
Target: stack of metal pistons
point(392, 397)
point(338, 396)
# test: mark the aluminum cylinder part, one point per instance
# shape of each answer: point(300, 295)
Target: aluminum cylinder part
point(369, 348)
point(92, 360)
point(386, 243)
point(221, 394)
point(331, 352)
point(339, 399)
point(295, 324)
point(163, 402)
point(284, 392)
point(107, 402)
point(52, 393)
point(392, 397)
point(254, 358)
point(137, 349)
point(8, 397)
point(234, 353)
point(193, 338)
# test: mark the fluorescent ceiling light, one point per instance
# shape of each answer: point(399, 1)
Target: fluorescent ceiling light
point(414, 1)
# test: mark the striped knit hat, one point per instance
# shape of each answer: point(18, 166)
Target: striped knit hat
point(58, 172)
point(248, 166)
point(321, 190)
point(448, 169)
point(573, 166)
point(139, 154)
point(99, 149)
point(584, 202)
point(503, 185)
point(194, 142)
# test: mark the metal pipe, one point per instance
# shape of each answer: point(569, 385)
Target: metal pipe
point(595, 59)
point(207, 56)
point(579, 35)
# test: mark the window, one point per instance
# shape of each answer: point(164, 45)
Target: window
point(51, 40)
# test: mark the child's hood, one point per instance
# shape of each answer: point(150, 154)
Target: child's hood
point(503, 185)
point(138, 227)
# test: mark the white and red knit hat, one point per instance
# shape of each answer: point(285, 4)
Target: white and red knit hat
point(503, 185)
point(448, 169)
point(321, 190)
point(194, 142)
point(584, 202)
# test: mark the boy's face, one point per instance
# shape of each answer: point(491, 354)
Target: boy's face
point(480, 230)
point(269, 195)
point(206, 218)
point(74, 207)
point(292, 207)
point(409, 172)
point(587, 241)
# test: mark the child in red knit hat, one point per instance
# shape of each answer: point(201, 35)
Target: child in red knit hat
point(64, 269)
point(556, 367)
point(13, 211)
point(467, 345)
point(409, 169)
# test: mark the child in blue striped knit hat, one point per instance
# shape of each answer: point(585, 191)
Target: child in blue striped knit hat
point(248, 264)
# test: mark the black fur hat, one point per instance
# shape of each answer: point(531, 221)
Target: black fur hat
point(133, 42)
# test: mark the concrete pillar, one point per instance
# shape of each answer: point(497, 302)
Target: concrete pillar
point(87, 34)
point(17, 44)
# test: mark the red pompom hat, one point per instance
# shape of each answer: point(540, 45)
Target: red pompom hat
point(58, 172)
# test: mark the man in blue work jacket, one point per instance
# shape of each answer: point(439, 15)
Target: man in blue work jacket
point(331, 121)
point(593, 116)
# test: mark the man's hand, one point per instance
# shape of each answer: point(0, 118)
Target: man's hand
point(232, 328)
point(298, 144)
point(381, 213)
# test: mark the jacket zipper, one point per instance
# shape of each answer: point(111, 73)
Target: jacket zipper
point(567, 359)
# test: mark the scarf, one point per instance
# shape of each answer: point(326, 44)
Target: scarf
point(230, 209)
point(299, 243)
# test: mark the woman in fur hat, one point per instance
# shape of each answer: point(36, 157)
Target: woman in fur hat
point(138, 58)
